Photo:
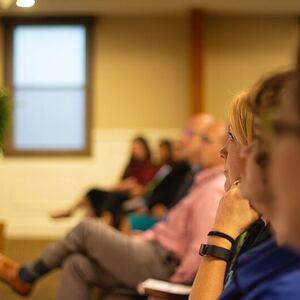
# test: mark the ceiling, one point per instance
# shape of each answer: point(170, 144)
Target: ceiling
point(154, 7)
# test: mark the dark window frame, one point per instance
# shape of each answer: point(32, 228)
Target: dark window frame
point(9, 23)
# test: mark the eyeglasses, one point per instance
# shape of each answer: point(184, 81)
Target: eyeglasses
point(280, 128)
point(205, 139)
point(190, 133)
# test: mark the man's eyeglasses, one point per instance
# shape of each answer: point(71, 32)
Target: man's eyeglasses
point(190, 133)
point(205, 139)
point(280, 128)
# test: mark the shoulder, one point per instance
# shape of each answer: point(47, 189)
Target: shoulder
point(267, 272)
point(208, 193)
point(286, 286)
point(213, 176)
point(213, 184)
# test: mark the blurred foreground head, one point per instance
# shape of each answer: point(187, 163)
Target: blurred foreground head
point(264, 98)
point(285, 164)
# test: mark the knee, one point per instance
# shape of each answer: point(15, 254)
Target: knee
point(87, 222)
point(87, 225)
point(75, 261)
point(76, 265)
point(89, 231)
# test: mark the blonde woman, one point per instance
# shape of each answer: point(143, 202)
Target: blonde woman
point(267, 271)
point(234, 214)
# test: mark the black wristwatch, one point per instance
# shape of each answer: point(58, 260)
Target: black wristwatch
point(215, 251)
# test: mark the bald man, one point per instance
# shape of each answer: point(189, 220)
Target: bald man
point(96, 254)
point(191, 138)
point(213, 140)
point(178, 182)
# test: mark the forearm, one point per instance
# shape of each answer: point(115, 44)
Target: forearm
point(233, 217)
point(209, 281)
point(79, 203)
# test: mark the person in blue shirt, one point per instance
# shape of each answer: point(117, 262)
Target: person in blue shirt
point(285, 173)
point(267, 271)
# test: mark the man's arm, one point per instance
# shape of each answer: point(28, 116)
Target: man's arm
point(200, 222)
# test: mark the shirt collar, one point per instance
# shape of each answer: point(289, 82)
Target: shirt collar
point(210, 173)
point(195, 169)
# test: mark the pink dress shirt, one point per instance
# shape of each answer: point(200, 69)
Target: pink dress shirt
point(189, 222)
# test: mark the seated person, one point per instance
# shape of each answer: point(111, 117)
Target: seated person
point(165, 153)
point(285, 163)
point(167, 192)
point(210, 278)
point(138, 173)
point(95, 254)
point(173, 187)
point(266, 271)
point(164, 165)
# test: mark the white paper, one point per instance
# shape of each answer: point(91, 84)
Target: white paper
point(164, 286)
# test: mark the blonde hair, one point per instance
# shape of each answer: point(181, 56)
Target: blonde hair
point(241, 119)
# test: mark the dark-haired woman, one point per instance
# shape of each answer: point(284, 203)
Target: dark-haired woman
point(138, 173)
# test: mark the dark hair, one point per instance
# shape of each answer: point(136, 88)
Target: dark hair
point(264, 98)
point(140, 139)
point(266, 94)
point(167, 144)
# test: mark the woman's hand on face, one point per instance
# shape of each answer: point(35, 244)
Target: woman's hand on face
point(234, 214)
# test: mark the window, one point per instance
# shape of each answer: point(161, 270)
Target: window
point(47, 73)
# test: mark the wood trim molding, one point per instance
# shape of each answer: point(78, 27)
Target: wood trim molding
point(9, 24)
point(2, 236)
point(197, 57)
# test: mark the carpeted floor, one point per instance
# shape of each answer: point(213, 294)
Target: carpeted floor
point(26, 251)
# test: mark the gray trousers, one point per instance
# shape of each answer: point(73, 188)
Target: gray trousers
point(95, 254)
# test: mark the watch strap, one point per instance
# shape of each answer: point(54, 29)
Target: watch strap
point(215, 251)
point(222, 235)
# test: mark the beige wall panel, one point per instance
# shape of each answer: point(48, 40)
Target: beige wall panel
point(141, 72)
point(241, 49)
